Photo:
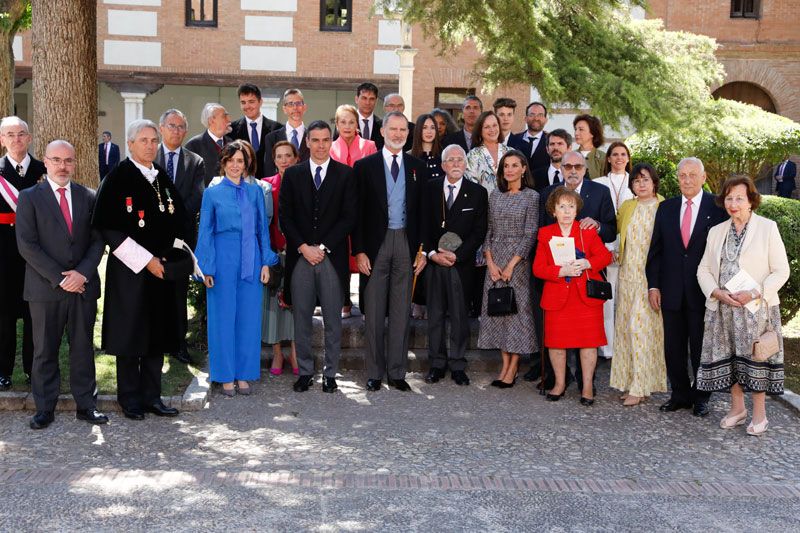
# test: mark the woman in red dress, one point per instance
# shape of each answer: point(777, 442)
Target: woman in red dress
point(571, 318)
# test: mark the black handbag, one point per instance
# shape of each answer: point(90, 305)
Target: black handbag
point(595, 288)
point(275, 277)
point(500, 301)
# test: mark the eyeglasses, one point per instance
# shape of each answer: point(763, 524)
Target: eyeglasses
point(452, 160)
point(299, 103)
point(175, 127)
point(569, 166)
point(536, 115)
point(57, 160)
point(20, 135)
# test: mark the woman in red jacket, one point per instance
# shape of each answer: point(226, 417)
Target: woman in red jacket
point(571, 318)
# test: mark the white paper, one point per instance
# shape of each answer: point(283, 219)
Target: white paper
point(743, 281)
point(181, 245)
point(563, 250)
point(132, 255)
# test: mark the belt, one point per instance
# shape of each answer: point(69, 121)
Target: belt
point(8, 218)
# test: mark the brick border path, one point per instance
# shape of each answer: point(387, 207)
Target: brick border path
point(247, 478)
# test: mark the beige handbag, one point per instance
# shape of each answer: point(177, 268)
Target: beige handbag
point(767, 343)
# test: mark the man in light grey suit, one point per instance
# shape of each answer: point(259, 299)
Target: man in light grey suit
point(209, 144)
point(62, 251)
point(187, 171)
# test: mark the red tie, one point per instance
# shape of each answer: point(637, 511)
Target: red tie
point(686, 224)
point(65, 208)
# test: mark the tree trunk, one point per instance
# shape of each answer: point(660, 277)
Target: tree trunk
point(65, 80)
point(15, 10)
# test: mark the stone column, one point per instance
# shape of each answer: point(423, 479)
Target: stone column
point(406, 74)
point(269, 107)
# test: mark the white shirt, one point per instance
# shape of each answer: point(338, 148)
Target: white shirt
point(370, 120)
point(506, 138)
point(174, 158)
point(551, 173)
point(618, 185)
point(387, 157)
point(695, 209)
point(323, 172)
point(149, 173)
point(107, 150)
point(447, 185)
point(534, 143)
point(26, 162)
point(258, 122)
point(301, 130)
point(55, 186)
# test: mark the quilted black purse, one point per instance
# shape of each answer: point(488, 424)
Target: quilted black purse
point(500, 301)
point(595, 288)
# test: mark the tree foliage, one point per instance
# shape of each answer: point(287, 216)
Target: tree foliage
point(729, 137)
point(15, 16)
point(580, 52)
point(786, 212)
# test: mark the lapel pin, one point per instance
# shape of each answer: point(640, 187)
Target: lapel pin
point(414, 174)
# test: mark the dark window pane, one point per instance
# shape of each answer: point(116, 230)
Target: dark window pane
point(201, 12)
point(336, 15)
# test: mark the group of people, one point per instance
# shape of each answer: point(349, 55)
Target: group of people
point(562, 253)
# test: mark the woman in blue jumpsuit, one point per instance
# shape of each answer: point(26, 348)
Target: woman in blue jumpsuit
point(233, 251)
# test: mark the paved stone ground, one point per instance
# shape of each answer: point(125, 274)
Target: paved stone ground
point(442, 457)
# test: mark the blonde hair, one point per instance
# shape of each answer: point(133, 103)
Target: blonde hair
point(345, 108)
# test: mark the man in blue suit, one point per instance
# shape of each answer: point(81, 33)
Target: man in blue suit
point(785, 173)
point(679, 241)
point(107, 155)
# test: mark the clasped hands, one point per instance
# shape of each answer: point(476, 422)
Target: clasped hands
point(496, 273)
point(575, 268)
point(73, 281)
point(733, 299)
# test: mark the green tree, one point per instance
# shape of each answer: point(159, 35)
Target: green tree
point(580, 52)
point(15, 16)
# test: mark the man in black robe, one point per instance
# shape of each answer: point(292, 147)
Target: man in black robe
point(140, 214)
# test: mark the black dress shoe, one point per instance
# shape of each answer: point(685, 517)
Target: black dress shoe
point(93, 416)
point(373, 385)
point(555, 397)
point(303, 383)
point(134, 413)
point(586, 401)
point(183, 356)
point(504, 385)
point(329, 384)
point(399, 384)
point(5, 382)
point(434, 375)
point(159, 409)
point(673, 405)
point(42, 419)
point(460, 377)
point(701, 410)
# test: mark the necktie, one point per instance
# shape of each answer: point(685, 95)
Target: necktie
point(450, 197)
point(395, 168)
point(65, 208)
point(254, 136)
point(686, 224)
point(779, 172)
point(19, 170)
point(219, 143)
point(556, 179)
point(365, 129)
point(318, 178)
point(295, 142)
point(171, 166)
point(533, 145)
point(108, 151)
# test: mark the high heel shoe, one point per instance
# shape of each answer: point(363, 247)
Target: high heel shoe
point(496, 383)
point(296, 371)
point(731, 421)
point(587, 401)
point(756, 430)
point(555, 397)
point(276, 371)
point(504, 385)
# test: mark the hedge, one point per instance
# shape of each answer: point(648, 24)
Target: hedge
point(786, 212)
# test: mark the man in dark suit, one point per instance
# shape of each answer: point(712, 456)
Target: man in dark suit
point(558, 143)
point(369, 125)
point(294, 107)
point(533, 141)
point(470, 111)
point(394, 102)
point(18, 171)
point(209, 144)
point(677, 246)
point(386, 243)
point(62, 252)
point(460, 206)
point(187, 171)
point(785, 174)
point(253, 127)
point(107, 155)
point(317, 211)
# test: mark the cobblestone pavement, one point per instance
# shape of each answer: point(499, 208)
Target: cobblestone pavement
point(441, 457)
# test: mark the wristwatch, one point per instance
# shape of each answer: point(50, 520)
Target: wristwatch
point(324, 249)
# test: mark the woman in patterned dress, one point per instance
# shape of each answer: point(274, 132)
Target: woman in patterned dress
point(513, 224)
point(750, 243)
point(638, 367)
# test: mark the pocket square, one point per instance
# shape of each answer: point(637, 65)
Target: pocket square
point(468, 209)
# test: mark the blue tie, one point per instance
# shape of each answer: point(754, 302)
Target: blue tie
point(254, 136)
point(318, 178)
point(171, 167)
point(395, 168)
point(219, 143)
point(294, 139)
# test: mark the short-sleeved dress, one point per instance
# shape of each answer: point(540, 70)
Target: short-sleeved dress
point(513, 224)
point(727, 355)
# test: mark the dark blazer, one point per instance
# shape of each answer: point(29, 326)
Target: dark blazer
point(308, 216)
point(241, 130)
point(597, 205)
point(204, 146)
point(36, 170)
point(373, 205)
point(785, 187)
point(49, 249)
point(539, 158)
point(375, 135)
point(457, 137)
point(410, 139)
point(671, 267)
point(190, 172)
point(468, 217)
point(541, 180)
point(113, 158)
point(280, 135)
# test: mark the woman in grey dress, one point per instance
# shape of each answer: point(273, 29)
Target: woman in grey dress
point(513, 224)
point(746, 246)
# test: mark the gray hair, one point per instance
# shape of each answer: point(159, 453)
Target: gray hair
point(392, 95)
point(172, 111)
point(58, 142)
point(136, 127)
point(449, 148)
point(690, 160)
point(393, 114)
point(209, 110)
point(13, 121)
point(575, 153)
point(289, 92)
